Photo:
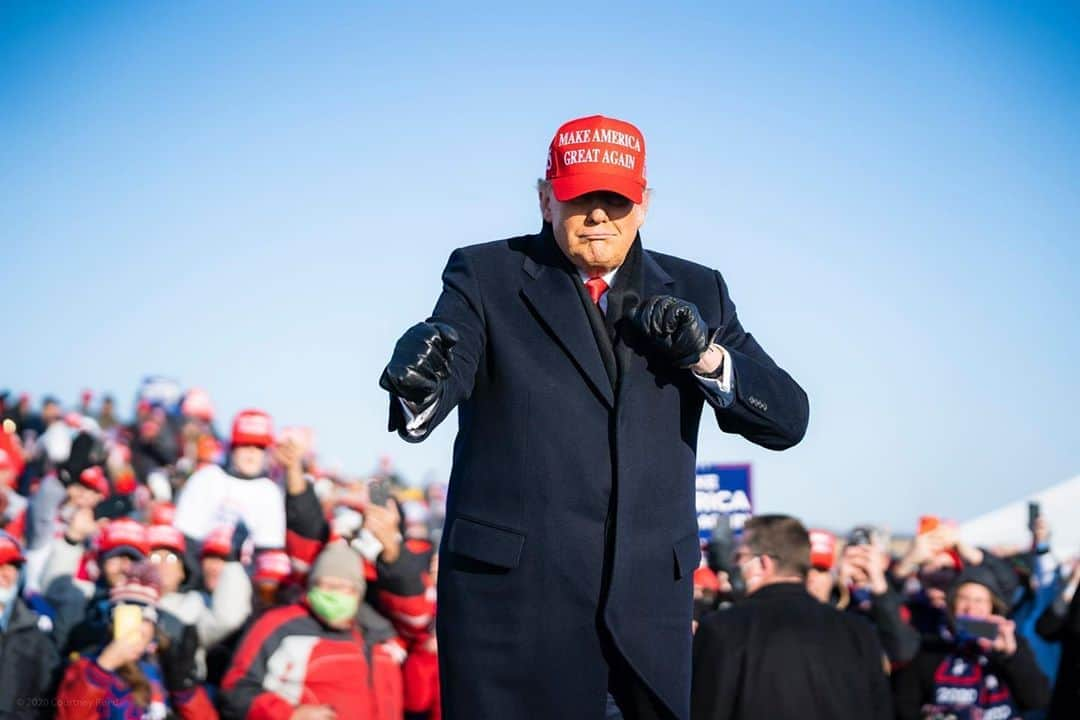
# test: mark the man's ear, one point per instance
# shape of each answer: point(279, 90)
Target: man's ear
point(544, 196)
point(646, 196)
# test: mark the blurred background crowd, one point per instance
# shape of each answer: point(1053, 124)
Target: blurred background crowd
point(159, 564)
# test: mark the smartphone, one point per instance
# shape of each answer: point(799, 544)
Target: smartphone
point(379, 492)
point(928, 523)
point(971, 628)
point(1034, 511)
point(127, 621)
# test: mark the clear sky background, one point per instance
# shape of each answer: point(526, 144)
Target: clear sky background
point(259, 198)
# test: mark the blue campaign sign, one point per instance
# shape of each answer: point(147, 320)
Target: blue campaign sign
point(723, 491)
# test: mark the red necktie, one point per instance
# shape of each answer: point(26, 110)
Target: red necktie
point(596, 287)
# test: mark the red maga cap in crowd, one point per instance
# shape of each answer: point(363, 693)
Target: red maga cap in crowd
point(706, 579)
point(166, 537)
point(162, 513)
point(597, 153)
point(197, 405)
point(11, 552)
point(93, 477)
point(822, 549)
point(272, 565)
point(252, 427)
point(123, 533)
point(218, 542)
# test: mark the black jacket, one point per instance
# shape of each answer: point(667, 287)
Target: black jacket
point(1061, 622)
point(780, 654)
point(28, 665)
point(563, 416)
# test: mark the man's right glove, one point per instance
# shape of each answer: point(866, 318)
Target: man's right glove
point(674, 328)
point(421, 361)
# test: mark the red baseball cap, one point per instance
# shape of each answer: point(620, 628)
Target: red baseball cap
point(11, 552)
point(166, 537)
point(93, 477)
point(272, 566)
point(597, 153)
point(252, 427)
point(123, 534)
point(218, 543)
point(162, 513)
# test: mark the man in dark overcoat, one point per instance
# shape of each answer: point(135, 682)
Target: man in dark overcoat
point(579, 364)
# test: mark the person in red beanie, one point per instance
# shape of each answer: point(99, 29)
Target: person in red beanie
point(239, 493)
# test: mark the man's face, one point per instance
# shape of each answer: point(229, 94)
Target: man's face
point(83, 497)
point(171, 569)
point(115, 568)
point(594, 230)
point(750, 565)
point(211, 571)
point(9, 575)
point(974, 601)
point(342, 586)
point(50, 411)
point(249, 459)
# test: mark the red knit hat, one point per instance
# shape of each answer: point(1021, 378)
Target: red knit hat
point(252, 427)
point(597, 153)
point(141, 585)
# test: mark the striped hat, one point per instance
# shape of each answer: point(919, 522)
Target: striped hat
point(141, 586)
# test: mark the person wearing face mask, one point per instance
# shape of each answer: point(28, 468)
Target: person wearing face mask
point(580, 364)
point(306, 661)
point(215, 496)
point(28, 657)
point(807, 659)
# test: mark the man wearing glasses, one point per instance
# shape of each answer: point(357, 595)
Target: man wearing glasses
point(780, 653)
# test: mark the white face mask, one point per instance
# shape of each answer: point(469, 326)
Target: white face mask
point(7, 594)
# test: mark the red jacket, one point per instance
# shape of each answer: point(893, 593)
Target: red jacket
point(289, 658)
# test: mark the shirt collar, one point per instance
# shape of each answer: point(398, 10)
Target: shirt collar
point(609, 278)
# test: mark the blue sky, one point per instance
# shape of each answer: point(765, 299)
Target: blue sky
point(258, 199)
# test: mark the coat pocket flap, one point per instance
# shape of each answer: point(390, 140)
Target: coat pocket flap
point(687, 554)
point(486, 543)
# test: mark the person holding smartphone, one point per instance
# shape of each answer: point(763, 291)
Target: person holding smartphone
point(141, 670)
point(980, 666)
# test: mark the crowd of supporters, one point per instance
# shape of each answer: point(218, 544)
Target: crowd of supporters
point(157, 567)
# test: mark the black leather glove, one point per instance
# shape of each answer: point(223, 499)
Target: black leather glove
point(178, 660)
point(421, 361)
point(674, 328)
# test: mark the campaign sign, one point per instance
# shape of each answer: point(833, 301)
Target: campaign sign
point(723, 494)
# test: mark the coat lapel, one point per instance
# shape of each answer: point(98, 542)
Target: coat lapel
point(649, 279)
point(548, 288)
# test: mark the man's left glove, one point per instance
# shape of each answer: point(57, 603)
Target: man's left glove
point(420, 363)
point(674, 328)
